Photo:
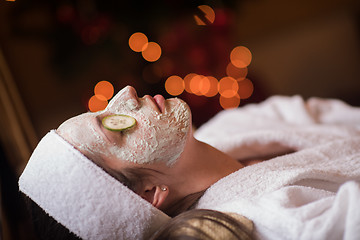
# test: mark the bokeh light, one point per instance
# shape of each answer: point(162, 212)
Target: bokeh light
point(137, 41)
point(207, 15)
point(151, 51)
point(204, 85)
point(246, 88)
point(105, 89)
point(235, 72)
point(240, 57)
point(231, 102)
point(195, 84)
point(213, 87)
point(187, 80)
point(97, 103)
point(174, 85)
point(228, 87)
point(199, 85)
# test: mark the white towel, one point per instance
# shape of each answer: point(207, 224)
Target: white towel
point(313, 193)
point(279, 124)
point(84, 198)
point(337, 162)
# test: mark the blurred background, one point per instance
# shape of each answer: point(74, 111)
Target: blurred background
point(62, 58)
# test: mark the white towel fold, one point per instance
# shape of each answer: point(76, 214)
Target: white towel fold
point(336, 162)
point(279, 124)
point(313, 193)
point(83, 197)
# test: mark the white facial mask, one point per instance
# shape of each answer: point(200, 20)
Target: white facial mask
point(157, 137)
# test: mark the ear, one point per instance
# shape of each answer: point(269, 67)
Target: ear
point(155, 194)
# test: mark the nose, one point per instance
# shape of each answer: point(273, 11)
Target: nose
point(124, 95)
point(131, 90)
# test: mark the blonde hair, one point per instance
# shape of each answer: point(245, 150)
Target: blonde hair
point(201, 224)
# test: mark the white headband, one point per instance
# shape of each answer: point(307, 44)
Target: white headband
point(83, 197)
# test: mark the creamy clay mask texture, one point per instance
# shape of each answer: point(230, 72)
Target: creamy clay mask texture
point(156, 137)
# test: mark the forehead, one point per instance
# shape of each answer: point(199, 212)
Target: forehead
point(79, 118)
point(75, 124)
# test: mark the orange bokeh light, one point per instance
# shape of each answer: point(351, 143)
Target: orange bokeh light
point(197, 86)
point(105, 89)
point(187, 80)
point(235, 72)
point(97, 103)
point(174, 85)
point(207, 15)
point(228, 87)
point(151, 51)
point(246, 88)
point(227, 103)
point(213, 87)
point(204, 85)
point(240, 57)
point(137, 41)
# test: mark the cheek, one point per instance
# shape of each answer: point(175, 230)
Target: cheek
point(171, 142)
point(154, 143)
point(139, 144)
point(156, 138)
point(169, 134)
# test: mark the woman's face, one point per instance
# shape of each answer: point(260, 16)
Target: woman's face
point(159, 135)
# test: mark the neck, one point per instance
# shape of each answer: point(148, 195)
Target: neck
point(204, 165)
point(213, 164)
point(198, 167)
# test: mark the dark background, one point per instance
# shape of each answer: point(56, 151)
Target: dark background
point(305, 47)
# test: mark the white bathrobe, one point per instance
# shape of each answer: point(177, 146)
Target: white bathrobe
point(313, 193)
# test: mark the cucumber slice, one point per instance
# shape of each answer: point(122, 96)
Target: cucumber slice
point(118, 122)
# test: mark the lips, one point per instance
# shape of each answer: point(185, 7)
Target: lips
point(160, 102)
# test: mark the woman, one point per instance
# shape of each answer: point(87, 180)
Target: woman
point(162, 162)
point(158, 158)
point(160, 151)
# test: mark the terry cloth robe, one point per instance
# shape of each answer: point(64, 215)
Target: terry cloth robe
point(312, 193)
